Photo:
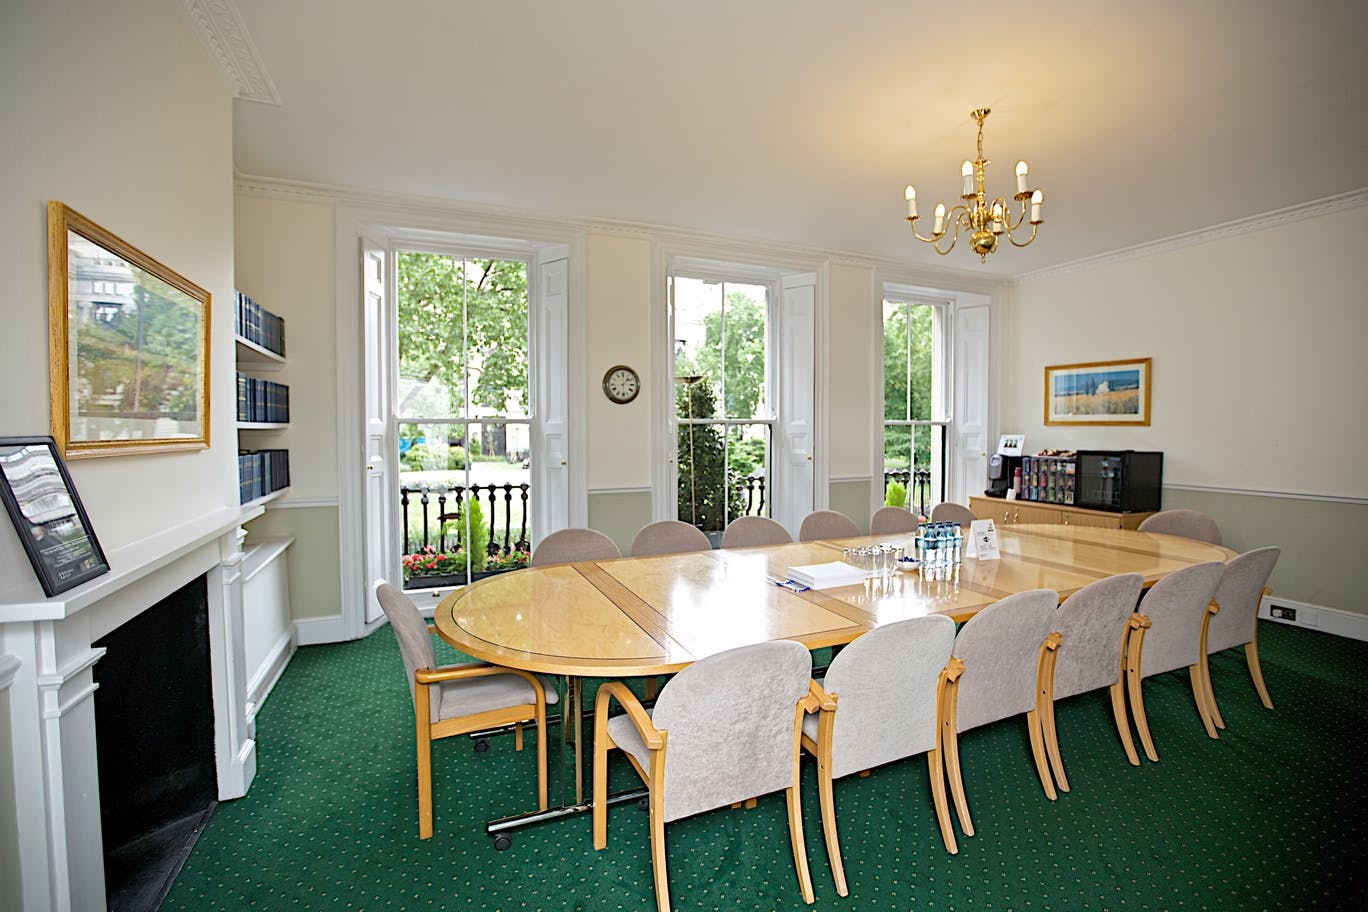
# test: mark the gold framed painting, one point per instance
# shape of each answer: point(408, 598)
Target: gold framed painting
point(128, 345)
point(1098, 393)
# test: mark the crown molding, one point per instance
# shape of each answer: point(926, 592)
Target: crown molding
point(510, 217)
point(1312, 209)
point(220, 26)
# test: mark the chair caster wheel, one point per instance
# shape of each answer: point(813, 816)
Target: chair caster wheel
point(503, 842)
point(644, 803)
point(481, 745)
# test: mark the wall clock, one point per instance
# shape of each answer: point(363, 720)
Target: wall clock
point(621, 384)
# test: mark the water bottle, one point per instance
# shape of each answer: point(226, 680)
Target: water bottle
point(942, 551)
point(958, 549)
point(921, 544)
point(932, 558)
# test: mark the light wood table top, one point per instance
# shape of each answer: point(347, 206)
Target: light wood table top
point(653, 615)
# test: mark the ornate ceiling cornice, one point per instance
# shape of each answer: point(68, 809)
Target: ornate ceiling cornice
point(220, 26)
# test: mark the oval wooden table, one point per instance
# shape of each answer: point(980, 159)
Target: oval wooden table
point(655, 615)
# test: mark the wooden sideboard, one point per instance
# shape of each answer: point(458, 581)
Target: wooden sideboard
point(1010, 512)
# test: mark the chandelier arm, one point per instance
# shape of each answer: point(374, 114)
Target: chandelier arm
point(1016, 243)
point(1021, 219)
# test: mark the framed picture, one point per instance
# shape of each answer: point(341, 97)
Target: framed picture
point(1099, 392)
point(128, 344)
point(47, 514)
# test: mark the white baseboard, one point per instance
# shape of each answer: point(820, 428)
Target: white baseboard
point(272, 667)
point(1316, 617)
point(313, 631)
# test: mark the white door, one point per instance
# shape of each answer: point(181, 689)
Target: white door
point(793, 489)
point(380, 509)
point(550, 458)
point(971, 403)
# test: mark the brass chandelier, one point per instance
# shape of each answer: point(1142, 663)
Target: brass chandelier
point(982, 220)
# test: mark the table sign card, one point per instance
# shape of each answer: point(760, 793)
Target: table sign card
point(983, 540)
point(48, 515)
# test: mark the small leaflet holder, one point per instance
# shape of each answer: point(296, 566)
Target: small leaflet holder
point(983, 540)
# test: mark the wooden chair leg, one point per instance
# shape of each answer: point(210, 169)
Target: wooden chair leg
point(652, 687)
point(1118, 702)
point(662, 876)
point(937, 772)
point(422, 711)
point(517, 736)
point(1199, 696)
point(950, 751)
point(1256, 672)
point(1212, 709)
point(827, 800)
point(750, 804)
point(541, 756)
point(1051, 736)
point(602, 742)
point(795, 817)
point(1033, 728)
point(1137, 697)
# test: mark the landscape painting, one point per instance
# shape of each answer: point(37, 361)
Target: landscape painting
point(1098, 392)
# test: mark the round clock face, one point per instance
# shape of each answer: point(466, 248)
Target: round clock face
point(621, 384)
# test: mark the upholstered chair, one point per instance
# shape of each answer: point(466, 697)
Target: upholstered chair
point(1171, 628)
point(566, 546)
point(821, 524)
point(1235, 623)
point(892, 521)
point(669, 536)
point(459, 699)
point(724, 730)
point(1094, 624)
point(1187, 523)
point(952, 513)
point(879, 702)
point(1001, 667)
point(750, 531)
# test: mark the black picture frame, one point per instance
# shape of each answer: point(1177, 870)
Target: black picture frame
point(48, 515)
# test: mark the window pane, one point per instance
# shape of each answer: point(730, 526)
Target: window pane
point(702, 474)
point(748, 470)
point(908, 361)
point(696, 305)
point(742, 333)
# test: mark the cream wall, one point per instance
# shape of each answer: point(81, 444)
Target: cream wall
point(137, 137)
point(1258, 381)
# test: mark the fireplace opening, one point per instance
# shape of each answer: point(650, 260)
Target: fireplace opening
point(154, 731)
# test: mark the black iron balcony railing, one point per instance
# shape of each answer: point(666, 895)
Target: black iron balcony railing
point(917, 480)
point(426, 508)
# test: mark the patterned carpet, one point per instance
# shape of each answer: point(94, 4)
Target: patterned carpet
point(1272, 816)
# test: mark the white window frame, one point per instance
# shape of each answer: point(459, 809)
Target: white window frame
point(942, 386)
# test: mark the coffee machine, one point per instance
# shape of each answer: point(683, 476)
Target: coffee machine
point(1004, 465)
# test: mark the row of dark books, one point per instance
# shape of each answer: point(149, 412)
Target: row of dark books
point(257, 324)
point(1048, 479)
point(261, 472)
point(262, 400)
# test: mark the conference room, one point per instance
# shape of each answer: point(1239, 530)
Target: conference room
point(622, 456)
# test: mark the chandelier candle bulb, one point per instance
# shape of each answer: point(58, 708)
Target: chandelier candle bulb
point(997, 218)
point(967, 169)
point(1021, 172)
point(1036, 199)
point(940, 219)
point(911, 201)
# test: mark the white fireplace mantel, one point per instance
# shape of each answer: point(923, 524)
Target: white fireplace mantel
point(47, 659)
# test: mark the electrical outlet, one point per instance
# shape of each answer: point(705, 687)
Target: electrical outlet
point(1282, 612)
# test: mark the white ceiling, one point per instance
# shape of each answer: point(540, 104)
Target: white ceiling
point(800, 121)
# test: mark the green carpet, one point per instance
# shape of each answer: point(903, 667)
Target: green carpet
point(1271, 816)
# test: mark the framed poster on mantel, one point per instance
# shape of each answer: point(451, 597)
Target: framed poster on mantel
point(48, 515)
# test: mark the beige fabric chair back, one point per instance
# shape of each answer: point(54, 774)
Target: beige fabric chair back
point(1093, 622)
point(415, 643)
point(750, 531)
point(568, 545)
point(1187, 523)
point(952, 513)
point(730, 719)
point(669, 536)
point(892, 521)
point(822, 524)
point(885, 684)
point(1176, 606)
point(1239, 593)
point(1000, 648)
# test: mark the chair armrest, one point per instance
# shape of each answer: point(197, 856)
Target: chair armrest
point(1053, 641)
point(635, 711)
point(818, 699)
point(1213, 606)
point(477, 670)
point(1140, 621)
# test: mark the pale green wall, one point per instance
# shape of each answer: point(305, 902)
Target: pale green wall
point(315, 587)
point(852, 499)
point(1322, 541)
point(620, 515)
